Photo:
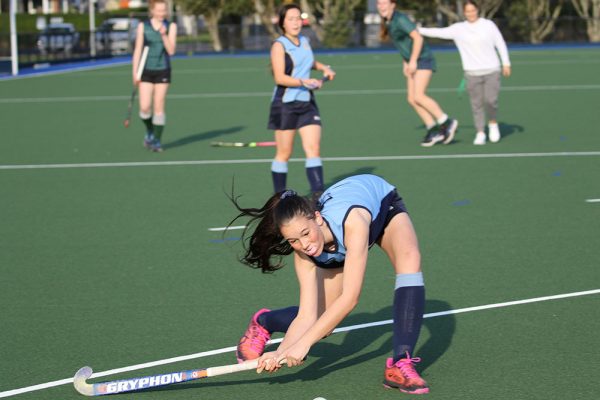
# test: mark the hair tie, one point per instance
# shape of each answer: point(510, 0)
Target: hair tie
point(287, 193)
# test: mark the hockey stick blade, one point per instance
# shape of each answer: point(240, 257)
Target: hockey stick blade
point(129, 107)
point(151, 381)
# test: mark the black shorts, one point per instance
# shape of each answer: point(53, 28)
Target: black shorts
point(294, 115)
point(394, 205)
point(157, 75)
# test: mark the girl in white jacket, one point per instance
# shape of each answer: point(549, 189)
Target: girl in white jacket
point(477, 40)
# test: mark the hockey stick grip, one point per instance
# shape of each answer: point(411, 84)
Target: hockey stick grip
point(229, 369)
point(142, 64)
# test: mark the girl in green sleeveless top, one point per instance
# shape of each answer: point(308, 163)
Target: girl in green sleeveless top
point(160, 37)
point(419, 65)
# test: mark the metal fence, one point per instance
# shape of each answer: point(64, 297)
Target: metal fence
point(74, 46)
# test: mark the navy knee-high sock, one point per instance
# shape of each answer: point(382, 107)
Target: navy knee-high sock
point(278, 320)
point(279, 170)
point(409, 306)
point(314, 173)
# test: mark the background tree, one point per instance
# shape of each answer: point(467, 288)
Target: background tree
point(266, 9)
point(487, 9)
point(212, 10)
point(543, 15)
point(590, 10)
point(334, 26)
point(533, 19)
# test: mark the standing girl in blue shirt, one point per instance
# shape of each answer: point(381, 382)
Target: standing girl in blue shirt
point(293, 105)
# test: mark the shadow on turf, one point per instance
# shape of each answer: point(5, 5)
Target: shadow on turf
point(198, 137)
point(509, 129)
point(324, 357)
point(468, 131)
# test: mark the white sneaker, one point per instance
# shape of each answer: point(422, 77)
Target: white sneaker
point(479, 138)
point(494, 133)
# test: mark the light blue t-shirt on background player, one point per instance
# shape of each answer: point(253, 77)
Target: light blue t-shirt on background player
point(299, 60)
point(294, 107)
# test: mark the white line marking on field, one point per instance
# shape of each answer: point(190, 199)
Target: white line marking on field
point(269, 160)
point(593, 200)
point(84, 68)
point(77, 99)
point(338, 330)
point(227, 228)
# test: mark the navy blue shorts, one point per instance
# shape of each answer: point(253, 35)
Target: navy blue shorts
point(427, 63)
point(157, 75)
point(394, 205)
point(293, 115)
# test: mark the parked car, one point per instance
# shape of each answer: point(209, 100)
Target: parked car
point(58, 38)
point(116, 35)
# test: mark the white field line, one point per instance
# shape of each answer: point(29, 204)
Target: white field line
point(338, 330)
point(338, 68)
point(227, 228)
point(74, 99)
point(593, 201)
point(269, 160)
point(83, 68)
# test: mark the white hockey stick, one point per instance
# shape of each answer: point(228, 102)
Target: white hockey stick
point(151, 381)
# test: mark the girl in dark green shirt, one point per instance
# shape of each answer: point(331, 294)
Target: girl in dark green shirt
point(160, 37)
point(419, 65)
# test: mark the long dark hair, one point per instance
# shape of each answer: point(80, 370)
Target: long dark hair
point(384, 34)
point(266, 241)
point(283, 11)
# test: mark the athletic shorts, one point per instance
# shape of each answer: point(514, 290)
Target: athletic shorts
point(157, 75)
point(427, 63)
point(394, 205)
point(293, 115)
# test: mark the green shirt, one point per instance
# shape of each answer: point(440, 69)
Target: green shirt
point(158, 59)
point(399, 28)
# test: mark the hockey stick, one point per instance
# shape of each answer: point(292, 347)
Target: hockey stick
point(138, 76)
point(242, 144)
point(323, 80)
point(151, 381)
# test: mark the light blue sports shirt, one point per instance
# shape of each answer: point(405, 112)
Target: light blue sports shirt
point(299, 60)
point(365, 191)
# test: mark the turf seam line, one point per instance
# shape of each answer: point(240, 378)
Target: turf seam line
point(66, 99)
point(269, 160)
point(338, 330)
point(184, 71)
